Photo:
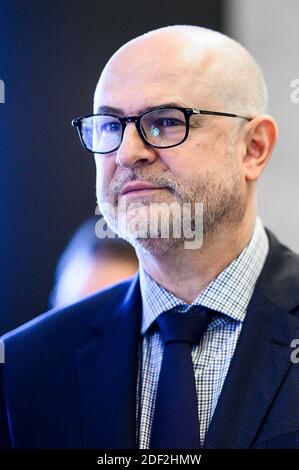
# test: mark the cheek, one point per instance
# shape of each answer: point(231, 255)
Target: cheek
point(105, 169)
point(193, 158)
point(213, 153)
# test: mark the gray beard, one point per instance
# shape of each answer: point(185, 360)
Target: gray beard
point(221, 201)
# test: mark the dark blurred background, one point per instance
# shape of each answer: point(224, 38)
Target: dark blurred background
point(51, 55)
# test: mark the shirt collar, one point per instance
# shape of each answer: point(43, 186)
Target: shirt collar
point(229, 293)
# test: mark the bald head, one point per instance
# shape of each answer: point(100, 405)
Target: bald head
point(221, 70)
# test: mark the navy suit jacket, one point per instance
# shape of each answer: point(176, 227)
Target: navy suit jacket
point(69, 380)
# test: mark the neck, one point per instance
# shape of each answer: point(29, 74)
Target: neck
point(187, 272)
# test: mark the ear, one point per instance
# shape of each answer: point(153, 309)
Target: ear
point(260, 138)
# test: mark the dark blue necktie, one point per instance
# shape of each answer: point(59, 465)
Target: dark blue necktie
point(176, 422)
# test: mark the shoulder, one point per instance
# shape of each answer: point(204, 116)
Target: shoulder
point(279, 279)
point(68, 323)
point(282, 253)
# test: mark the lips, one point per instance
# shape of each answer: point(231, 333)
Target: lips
point(138, 186)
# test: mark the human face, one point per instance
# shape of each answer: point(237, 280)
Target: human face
point(204, 169)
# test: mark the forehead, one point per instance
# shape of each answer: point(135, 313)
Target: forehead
point(133, 92)
point(134, 80)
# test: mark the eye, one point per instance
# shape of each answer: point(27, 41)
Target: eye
point(169, 122)
point(165, 124)
point(110, 127)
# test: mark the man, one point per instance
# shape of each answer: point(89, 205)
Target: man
point(113, 371)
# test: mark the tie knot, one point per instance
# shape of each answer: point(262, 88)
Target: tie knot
point(189, 327)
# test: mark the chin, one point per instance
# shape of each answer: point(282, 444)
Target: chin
point(155, 246)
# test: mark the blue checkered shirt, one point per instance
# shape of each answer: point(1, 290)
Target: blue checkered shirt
point(229, 294)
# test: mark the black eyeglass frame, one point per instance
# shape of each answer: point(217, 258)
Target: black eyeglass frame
point(188, 112)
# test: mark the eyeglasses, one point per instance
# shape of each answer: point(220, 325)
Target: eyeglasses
point(162, 127)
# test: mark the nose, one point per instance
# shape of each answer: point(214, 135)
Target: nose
point(133, 149)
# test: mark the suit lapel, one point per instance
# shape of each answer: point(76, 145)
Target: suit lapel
point(107, 374)
point(259, 365)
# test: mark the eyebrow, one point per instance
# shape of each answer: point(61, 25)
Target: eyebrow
point(110, 109)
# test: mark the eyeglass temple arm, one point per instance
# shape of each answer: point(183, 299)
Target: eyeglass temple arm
point(219, 113)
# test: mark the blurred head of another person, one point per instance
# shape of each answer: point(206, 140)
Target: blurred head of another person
point(89, 263)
